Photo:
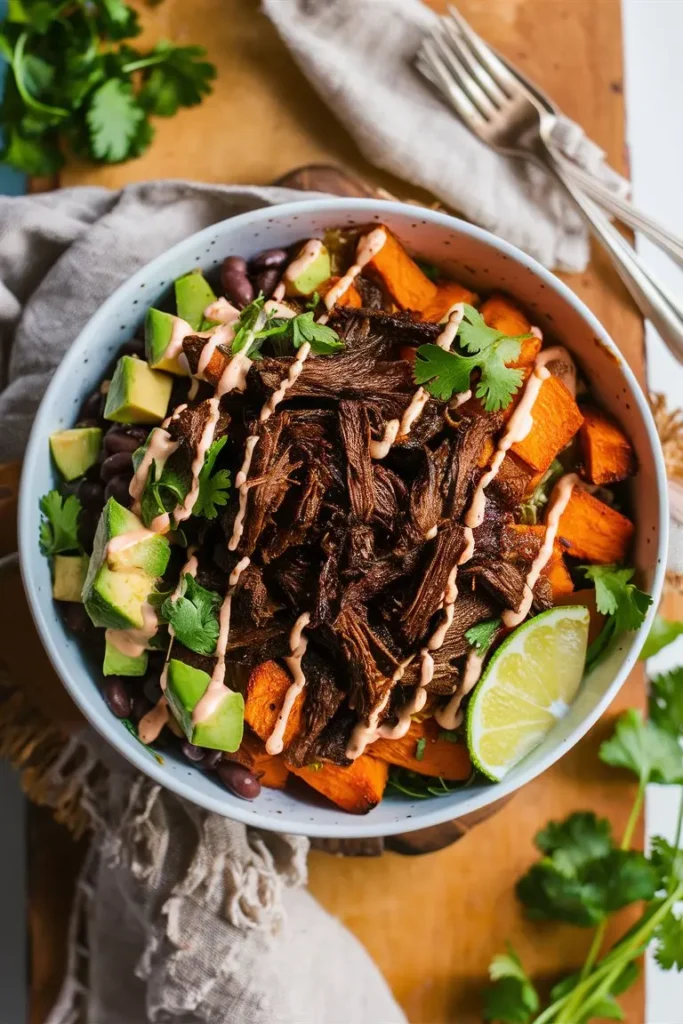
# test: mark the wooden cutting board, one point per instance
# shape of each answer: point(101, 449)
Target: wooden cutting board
point(432, 923)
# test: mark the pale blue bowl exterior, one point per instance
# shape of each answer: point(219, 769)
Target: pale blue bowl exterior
point(472, 255)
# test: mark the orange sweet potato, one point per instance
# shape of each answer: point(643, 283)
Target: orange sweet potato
point(401, 276)
point(501, 312)
point(557, 572)
point(439, 757)
point(351, 296)
point(356, 789)
point(269, 769)
point(447, 294)
point(608, 455)
point(592, 530)
point(266, 689)
point(557, 418)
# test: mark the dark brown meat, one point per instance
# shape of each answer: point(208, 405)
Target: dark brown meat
point(462, 469)
point(323, 699)
point(369, 662)
point(189, 425)
point(511, 483)
point(270, 477)
point(355, 435)
point(502, 579)
point(443, 555)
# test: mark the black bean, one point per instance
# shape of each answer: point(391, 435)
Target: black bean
point(134, 347)
point(87, 423)
point(191, 752)
point(87, 525)
point(211, 760)
point(93, 406)
point(118, 490)
point(91, 493)
point(234, 265)
point(267, 281)
point(238, 289)
point(114, 443)
point(139, 706)
point(116, 696)
point(151, 688)
point(239, 780)
point(117, 465)
point(75, 617)
point(268, 259)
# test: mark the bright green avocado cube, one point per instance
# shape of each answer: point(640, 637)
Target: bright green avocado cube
point(119, 582)
point(69, 572)
point(116, 663)
point(137, 394)
point(193, 294)
point(76, 450)
point(159, 328)
point(185, 686)
point(309, 280)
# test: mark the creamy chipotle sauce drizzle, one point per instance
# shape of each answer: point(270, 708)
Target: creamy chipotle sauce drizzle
point(297, 646)
point(368, 247)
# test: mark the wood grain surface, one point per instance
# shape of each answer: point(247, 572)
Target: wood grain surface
point(432, 923)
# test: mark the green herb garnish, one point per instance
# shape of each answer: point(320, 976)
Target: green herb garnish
point(482, 635)
point(131, 728)
point(193, 616)
point(620, 600)
point(445, 374)
point(420, 748)
point(59, 525)
point(662, 633)
point(74, 84)
point(530, 509)
point(213, 486)
point(421, 787)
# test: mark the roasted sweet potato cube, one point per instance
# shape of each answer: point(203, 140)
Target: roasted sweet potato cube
point(447, 294)
point(266, 689)
point(608, 455)
point(351, 296)
point(594, 531)
point(408, 286)
point(556, 418)
point(356, 789)
point(270, 770)
point(438, 756)
point(557, 572)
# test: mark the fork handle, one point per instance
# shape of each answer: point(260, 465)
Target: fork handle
point(624, 210)
point(650, 297)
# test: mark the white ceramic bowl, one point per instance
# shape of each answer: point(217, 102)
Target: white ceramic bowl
point(470, 255)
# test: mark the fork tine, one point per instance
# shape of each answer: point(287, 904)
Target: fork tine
point(458, 42)
point(505, 79)
point(452, 60)
point(440, 75)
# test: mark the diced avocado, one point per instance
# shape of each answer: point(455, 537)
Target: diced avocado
point(159, 329)
point(76, 450)
point(309, 280)
point(116, 663)
point(185, 686)
point(69, 576)
point(137, 394)
point(119, 582)
point(193, 294)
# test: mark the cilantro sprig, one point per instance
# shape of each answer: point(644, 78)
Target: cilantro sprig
point(59, 523)
point(484, 349)
point(620, 600)
point(193, 616)
point(584, 876)
point(75, 83)
point(213, 486)
point(255, 326)
point(482, 635)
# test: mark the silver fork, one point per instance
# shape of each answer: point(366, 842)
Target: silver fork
point(504, 114)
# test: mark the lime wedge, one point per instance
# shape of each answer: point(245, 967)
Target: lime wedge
point(528, 686)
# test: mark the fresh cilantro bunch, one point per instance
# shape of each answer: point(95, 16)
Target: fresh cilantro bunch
point(584, 876)
point(59, 524)
point(485, 350)
point(255, 326)
point(74, 84)
point(193, 616)
point(620, 600)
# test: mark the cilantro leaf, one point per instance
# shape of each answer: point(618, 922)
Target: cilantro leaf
point(161, 494)
point(322, 339)
point(620, 600)
point(115, 19)
point(444, 374)
point(251, 320)
point(178, 78)
point(59, 525)
point(512, 997)
point(652, 754)
point(667, 861)
point(193, 616)
point(482, 635)
point(666, 701)
point(531, 509)
point(213, 487)
point(669, 936)
point(420, 747)
point(579, 838)
point(114, 117)
point(662, 633)
point(418, 786)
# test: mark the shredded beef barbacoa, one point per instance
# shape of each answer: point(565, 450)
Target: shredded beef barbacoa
point(365, 546)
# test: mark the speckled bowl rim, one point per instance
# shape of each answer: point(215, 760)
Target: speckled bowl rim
point(248, 813)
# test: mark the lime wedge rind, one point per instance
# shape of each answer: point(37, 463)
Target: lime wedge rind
point(509, 717)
